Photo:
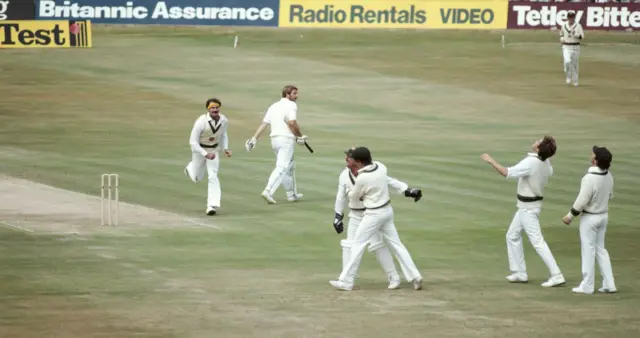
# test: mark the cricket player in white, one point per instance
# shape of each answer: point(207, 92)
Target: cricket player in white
point(282, 116)
point(532, 173)
point(596, 189)
point(371, 187)
point(208, 136)
point(571, 34)
point(346, 183)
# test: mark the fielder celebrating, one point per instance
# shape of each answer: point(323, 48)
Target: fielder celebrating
point(571, 34)
point(346, 183)
point(532, 173)
point(371, 188)
point(208, 135)
point(596, 189)
point(285, 133)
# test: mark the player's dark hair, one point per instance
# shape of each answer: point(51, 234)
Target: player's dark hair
point(547, 147)
point(288, 89)
point(206, 105)
point(363, 155)
point(604, 165)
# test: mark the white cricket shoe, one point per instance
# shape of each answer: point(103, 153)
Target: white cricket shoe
point(340, 285)
point(518, 277)
point(568, 81)
point(417, 283)
point(607, 290)
point(579, 289)
point(556, 280)
point(575, 84)
point(295, 197)
point(394, 284)
point(267, 197)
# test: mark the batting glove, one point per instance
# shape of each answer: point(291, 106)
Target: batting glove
point(337, 223)
point(416, 194)
point(250, 144)
point(301, 140)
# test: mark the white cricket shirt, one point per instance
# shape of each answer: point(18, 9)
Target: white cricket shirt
point(571, 34)
point(208, 135)
point(596, 189)
point(346, 182)
point(277, 116)
point(371, 187)
point(532, 174)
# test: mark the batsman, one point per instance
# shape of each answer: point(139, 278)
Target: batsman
point(376, 245)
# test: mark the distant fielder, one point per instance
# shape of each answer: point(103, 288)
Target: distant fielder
point(571, 34)
point(346, 182)
point(532, 173)
point(596, 189)
point(282, 116)
point(208, 136)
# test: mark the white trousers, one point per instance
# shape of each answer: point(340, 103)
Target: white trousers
point(527, 220)
point(592, 233)
point(196, 169)
point(378, 221)
point(284, 172)
point(376, 245)
point(570, 56)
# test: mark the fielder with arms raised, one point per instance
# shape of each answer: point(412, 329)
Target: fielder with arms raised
point(346, 183)
point(532, 173)
point(282, 116)
point(208, 136)
point(371, 187)
point(596, 189)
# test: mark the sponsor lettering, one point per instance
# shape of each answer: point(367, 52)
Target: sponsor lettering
point(12, 35)
point(159, 10)
point(45, 34)
point(357, 14)
point(4, 6)
point(473, 16)
point(591, 16)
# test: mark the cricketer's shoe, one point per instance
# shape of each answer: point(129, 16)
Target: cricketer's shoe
point(567, 81)
point(575, 84)
point(394, 284)
point(579, 289)
point(556, 280)
point(267, 197)
point(607, 290)
point(295, 197)
point(211, 211)
point(518, 277)
point(417, 283)
point(340, 285)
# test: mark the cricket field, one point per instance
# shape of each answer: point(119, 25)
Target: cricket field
point(427, 103)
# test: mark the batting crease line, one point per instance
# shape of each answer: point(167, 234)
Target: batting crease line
point(200, 223)
point(16, 226)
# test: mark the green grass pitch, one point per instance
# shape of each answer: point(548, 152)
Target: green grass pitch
point(428, 104)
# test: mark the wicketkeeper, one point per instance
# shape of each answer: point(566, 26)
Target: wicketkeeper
point(346, 182)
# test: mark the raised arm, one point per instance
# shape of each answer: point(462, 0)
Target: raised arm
point(397, 185)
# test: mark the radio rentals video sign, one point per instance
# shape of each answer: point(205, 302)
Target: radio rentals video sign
point(45, 34)
point(432, 14)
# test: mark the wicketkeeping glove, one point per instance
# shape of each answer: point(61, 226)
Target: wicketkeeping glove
point(337, 223)
point(416, 194)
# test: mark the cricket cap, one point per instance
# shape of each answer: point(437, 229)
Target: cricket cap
point(349, 152)
point(603, 156)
